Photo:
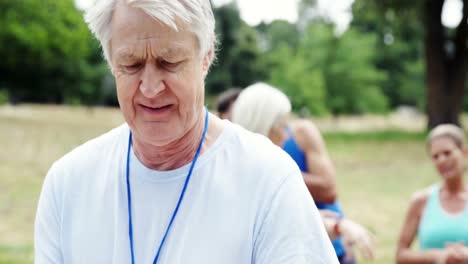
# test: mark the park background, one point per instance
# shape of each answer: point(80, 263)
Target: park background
point(373, 88)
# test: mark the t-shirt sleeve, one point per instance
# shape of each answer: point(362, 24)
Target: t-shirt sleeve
point(292, 230)
point(47, 225)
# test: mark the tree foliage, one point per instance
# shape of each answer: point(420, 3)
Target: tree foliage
point(398, 35)
point(390, 53)
point(321, 75)
point(238, 61)
point(353, 81)
point(302, 83)
point(445, 53)
point(48, 54)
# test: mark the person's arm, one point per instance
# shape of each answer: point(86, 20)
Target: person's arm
point(290, 228)
point(404, 254)
point(330, 219)
point(320, 179)
point(456, 253)
point(47, 225)
point(352, 232)
point(356, 235)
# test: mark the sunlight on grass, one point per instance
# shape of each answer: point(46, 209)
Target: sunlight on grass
point(376, 172)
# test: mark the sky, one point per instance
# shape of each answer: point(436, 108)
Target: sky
point(255, 11)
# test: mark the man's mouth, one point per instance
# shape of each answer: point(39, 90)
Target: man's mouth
point(158, 108)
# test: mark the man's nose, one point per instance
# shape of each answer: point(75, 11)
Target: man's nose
point(152, 81)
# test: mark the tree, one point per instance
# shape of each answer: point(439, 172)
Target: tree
point(446, 65)
point(352, 78)
point(445, 52)
point(44, 45)
point(276, 34)
point(301, 81)
point(400, 52)
point(238, 58)
point(292, 66)
point(318, 71)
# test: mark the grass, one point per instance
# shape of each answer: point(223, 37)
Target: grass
point(376, 179)
point(31, 138)
point(376, 171)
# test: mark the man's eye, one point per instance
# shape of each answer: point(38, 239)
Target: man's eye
point(169, 65)
point(132, 68)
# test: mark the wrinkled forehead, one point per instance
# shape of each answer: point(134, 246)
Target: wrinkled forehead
point(133, 30)
point(134, 21)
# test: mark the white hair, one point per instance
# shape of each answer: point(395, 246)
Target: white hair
point(196, 14)
point(259, 106)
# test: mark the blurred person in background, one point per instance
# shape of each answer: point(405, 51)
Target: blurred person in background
point(264, 109)
point(351, 232)
point(224, 102)
point(175, 184)
point(438, 215)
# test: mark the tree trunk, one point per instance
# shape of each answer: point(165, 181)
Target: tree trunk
point(445, 67)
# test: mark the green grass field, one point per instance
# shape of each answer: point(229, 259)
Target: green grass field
point(377, 172)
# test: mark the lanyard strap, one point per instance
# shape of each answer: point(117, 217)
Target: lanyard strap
point(174, 214)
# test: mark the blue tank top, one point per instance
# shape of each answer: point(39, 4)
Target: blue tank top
point(438, 226)
point(298, 155)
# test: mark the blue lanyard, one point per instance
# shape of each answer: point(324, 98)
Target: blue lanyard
point(129, 194)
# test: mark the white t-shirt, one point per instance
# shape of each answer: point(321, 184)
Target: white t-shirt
point(246, 202)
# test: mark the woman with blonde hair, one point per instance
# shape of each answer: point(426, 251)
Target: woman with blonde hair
point(264, 109)
point(438, 215)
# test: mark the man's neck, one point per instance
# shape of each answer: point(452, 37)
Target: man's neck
point(173, 155)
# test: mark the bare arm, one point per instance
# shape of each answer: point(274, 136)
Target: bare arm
point(352, 232)
point(320, 179)
point(404, 254)
point(329, 219)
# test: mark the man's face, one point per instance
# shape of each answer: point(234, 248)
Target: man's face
point(159, 75)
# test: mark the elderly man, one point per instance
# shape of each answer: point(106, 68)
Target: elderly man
point(174, 184)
